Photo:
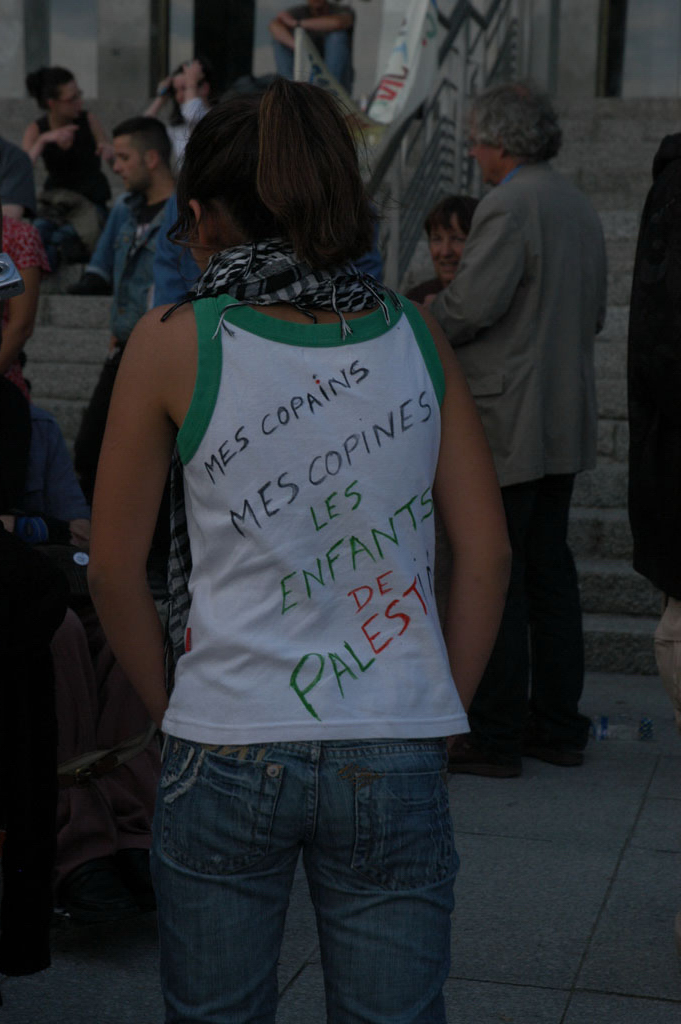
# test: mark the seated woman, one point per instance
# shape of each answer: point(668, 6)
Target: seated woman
point(21, 241)
point(447, 226)
point(71, 142)
point(190, 89)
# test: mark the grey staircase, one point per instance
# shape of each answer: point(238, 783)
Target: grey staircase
point(66, 352)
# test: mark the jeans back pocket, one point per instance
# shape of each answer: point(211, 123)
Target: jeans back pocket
point(404, 837)
point(217, 812)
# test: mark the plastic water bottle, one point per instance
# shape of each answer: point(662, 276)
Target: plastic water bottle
point(621, 727)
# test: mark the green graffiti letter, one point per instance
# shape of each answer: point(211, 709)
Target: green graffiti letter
point(285, 593)
point(355, 547)
point(333, 658)
point(301, 693)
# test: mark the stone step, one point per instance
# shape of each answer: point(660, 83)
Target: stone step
point(616, 323)
point(57, 282)
point(56, 345)
point(67, 412)
point(74, 310)
point(613, 439)
point(623, 154)
point(620, 274)
point(73, 381)
point(602, 487)
point(612, 584)
point(619, 643)
point(632, 183)
point(620, 198)
point(610, 358)
point(611, 394)
point(620, 225)
point(595, 533)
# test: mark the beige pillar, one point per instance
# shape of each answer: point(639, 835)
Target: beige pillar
point(578, 49)
point(123, 66)
point(12, 72)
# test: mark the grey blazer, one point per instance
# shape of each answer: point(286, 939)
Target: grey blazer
point(522, 311)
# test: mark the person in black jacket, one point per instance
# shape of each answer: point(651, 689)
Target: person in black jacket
point(654, 377)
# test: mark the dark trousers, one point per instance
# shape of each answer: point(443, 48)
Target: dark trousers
point(15, 442)
point(88, 443)
point(86, 451)
point(534, 678)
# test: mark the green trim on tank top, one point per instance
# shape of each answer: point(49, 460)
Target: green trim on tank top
point(208, 374)
point(431, 356)
point(209, 365)
point(307, 335)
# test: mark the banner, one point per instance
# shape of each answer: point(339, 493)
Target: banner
point(412, 66)
point(308, 66)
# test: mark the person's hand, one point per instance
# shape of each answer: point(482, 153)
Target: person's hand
point(193, 73)
point(62, 136)
point(80, 533)
point(430, 299)
point(287, 18)
point(106, 151)
point(164, 87)
point(8, 522)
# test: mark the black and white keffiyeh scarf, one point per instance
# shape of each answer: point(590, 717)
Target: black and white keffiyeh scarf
point(261, 274)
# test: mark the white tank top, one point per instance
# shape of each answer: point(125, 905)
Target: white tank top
point(308, 466)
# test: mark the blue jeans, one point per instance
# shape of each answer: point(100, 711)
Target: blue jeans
point(372, 820)
point(336, 54)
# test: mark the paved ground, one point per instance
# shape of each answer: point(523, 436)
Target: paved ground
point(569, 885)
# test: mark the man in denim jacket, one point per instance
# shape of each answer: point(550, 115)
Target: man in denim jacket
point(124, 257)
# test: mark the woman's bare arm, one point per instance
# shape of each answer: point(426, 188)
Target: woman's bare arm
point(104, 147)
point(34, 142)
point(150, 397)
point(469, 501)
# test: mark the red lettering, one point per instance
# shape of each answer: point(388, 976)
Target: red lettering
point(376, 650)
point(355, 592)
point(413, 590)
point(379, 581)
point(398, 615)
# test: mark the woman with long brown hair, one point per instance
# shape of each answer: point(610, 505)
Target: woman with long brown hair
point(317, 417)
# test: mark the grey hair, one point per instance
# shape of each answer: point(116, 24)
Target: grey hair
point(518, 117)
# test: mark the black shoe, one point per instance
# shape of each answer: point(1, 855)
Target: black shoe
point(94, 893)
point(133, 866)
point(468, 758)
point(90, 284)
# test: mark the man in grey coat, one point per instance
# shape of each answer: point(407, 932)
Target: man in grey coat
point(522, 313)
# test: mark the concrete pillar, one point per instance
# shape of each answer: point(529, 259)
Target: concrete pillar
point(123, 50)
point(12, 70)
point(578, 49)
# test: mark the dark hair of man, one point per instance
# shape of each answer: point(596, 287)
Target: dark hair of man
point(45, 84)
point(146, 133)
point(280, 164)
point(441, 214)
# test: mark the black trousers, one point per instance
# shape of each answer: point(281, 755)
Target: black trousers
point(88, 443)
point(535, 676)
point(15, 442)
point(86, 449)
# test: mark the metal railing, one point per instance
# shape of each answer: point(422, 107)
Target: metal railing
point(425, 156)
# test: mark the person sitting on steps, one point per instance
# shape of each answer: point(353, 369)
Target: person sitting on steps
point(124, 256)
